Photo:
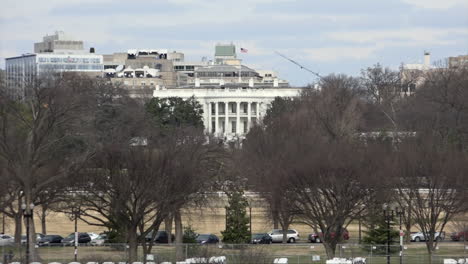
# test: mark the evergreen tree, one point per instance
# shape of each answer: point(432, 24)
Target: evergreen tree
point(237, 222)
point(174, 112)
point(379, 235)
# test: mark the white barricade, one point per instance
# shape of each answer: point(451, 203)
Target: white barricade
point(196, 260)
point(280, 261)
point(218, 260)
point(339, 261)
point(359, 260)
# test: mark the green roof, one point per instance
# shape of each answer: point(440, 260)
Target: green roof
point(225, 50)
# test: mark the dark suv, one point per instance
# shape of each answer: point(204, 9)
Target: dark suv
point(207, 239)
point(459, 236)
point(83, 238)
point(161, 237)
point(50, 240)
point(318, 238)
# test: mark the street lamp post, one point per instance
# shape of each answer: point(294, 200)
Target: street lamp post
point(27, 213)
point(359, 228)
point(400, 212)
point(388, 215)
point(3, 223)
point(250, 220)
point(75, 212)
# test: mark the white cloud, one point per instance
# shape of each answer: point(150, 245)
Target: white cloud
point(330, 54)
point(437, 4)
point(402, 37)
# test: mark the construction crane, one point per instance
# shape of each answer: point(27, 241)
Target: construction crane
point(302, 67)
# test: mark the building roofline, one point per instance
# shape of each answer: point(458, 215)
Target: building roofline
point(22, 56)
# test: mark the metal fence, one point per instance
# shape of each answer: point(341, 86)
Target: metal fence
point(300, 253)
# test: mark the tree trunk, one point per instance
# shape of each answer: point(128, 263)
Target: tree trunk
point(179, 235)
point(275, 220)
point(18, 228)
point(43, 219)
point(168, 228)
point(329, 249)
point(408, 223)
point(285, 234)
point(33, 256)
point(430, 248)
point(133, 244)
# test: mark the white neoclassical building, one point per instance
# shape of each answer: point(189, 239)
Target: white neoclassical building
point(229, 110)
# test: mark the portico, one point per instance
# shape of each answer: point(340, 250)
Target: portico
point(229, 112)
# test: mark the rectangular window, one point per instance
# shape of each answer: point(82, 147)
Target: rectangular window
point(213, 126)
point(245, 127)
point(233, 129)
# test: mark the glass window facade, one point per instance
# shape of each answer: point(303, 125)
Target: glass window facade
point(21, 71)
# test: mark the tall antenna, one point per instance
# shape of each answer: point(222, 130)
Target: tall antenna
point(302, 67)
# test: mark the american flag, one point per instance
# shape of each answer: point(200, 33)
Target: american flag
point(244, 50)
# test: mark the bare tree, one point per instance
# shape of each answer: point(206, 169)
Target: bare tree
point(311, 154)
point(385, 90)
point(42, 137)
point(263, 159)
point(432, 177)
point(440, 106)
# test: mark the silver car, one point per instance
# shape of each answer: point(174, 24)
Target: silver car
point(419, 236)
point(277, 235)
point(6, 240)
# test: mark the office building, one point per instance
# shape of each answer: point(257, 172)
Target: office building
point(57, 53)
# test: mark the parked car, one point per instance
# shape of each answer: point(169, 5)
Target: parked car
point(419, 236)
point(50, 240)
point(100, 240)
point(39, 236)
point(458, 236)
point(93, 235)
point(6, 240)
point(161, 237)
point(261, 238)
point(277, 235)
point(83, 238)
point(318, 238)
point(207, 239)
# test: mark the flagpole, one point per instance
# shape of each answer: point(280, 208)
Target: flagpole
point(240, 70)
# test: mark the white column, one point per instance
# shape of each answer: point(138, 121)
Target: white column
point(249, 115)
point(238, 118)
point(226, 121)
point(216, 118)
point(258, 111)
point(209, 117)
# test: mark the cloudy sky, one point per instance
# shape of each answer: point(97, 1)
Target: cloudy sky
point(340, 36)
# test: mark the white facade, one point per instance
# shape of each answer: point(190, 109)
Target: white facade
point(230, 112)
